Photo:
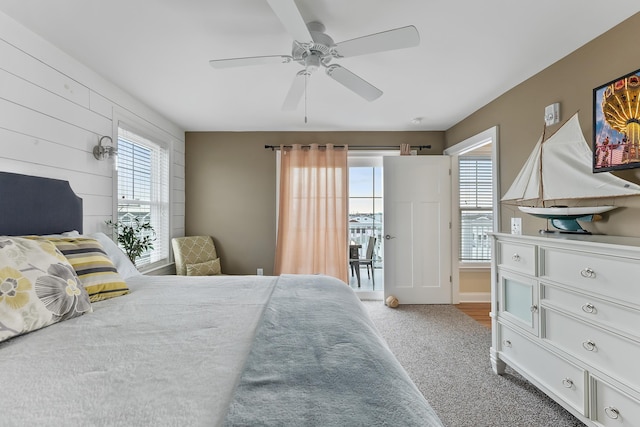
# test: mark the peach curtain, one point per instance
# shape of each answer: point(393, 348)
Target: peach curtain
point(312, 214)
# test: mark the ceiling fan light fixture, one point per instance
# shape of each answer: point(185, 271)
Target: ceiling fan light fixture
point(312, 62)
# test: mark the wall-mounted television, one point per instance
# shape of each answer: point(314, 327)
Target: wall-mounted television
point(616, 124)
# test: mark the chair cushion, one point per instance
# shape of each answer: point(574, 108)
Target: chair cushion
point(192, 250)
point(207, 268)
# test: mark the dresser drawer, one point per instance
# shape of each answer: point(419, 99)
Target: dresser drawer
point(604, 313)
point(559, 376)
point(611, 407)
point(519, 257)
point(602, 274)
point(602, 349)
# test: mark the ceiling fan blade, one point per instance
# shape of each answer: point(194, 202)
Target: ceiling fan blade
point(250, 60)
point(295, 92)
point(379, 42)
point(289, 15)
point(354, 83)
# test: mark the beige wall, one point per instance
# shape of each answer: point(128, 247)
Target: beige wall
point(475, 281)
point(230, 177)
point(231, 187)
point(519, 115)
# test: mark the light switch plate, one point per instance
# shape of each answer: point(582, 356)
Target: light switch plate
point(516, 225)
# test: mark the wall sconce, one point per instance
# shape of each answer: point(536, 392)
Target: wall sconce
point(103, 152)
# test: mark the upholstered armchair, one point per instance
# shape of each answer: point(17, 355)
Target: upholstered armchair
point(195, 256)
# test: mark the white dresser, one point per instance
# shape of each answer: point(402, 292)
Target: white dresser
point(566, 315)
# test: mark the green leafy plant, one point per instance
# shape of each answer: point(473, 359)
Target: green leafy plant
point(134, 236)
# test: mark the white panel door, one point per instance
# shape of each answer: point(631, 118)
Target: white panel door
point(417, 233)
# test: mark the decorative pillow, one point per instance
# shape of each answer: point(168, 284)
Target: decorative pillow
point(92, 265)
point(207, 268)
point(38, 287)
point(123, 264)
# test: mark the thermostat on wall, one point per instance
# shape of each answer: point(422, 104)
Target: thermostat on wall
point(552, 114)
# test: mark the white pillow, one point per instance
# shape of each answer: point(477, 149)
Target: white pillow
point(72, 233)
point(122, 262)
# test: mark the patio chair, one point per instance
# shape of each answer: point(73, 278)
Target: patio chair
point(355, 261)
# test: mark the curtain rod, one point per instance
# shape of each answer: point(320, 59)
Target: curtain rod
point(356, 147)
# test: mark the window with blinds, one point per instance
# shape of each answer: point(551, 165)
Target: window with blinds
point(476, 208)
point(143, 190)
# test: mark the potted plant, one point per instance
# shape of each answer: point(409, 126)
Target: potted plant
point(134, 236)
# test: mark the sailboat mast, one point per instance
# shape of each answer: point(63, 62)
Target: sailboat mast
point(541, 185)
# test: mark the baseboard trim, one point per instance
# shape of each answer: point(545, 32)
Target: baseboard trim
point(370, 295)
point(475, 297)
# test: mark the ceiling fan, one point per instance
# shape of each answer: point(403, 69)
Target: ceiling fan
point(313, 48)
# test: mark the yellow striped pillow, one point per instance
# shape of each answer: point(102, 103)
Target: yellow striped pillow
point(92, 265)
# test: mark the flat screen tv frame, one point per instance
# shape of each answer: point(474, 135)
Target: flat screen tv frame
point(616, 124)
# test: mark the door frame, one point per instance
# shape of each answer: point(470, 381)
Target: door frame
point(489, 136)
point(363, 158)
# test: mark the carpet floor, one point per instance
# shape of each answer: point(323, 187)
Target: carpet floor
point(446, 353)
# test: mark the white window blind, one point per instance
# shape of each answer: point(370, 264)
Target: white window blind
point(476, 208)
point(143, 189)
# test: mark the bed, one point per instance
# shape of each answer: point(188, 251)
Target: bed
point(188, 351)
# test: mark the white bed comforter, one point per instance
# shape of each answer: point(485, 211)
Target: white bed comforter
point(209, 351)
point(72, 374)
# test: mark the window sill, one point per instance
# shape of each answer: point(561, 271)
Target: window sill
point(471, 267)
point(159, 270)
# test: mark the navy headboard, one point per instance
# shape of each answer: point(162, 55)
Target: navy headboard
point(36, 205)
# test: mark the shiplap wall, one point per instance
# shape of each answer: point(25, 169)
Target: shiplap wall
point(53, 110)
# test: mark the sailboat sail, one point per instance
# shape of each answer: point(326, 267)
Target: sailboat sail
point(526, 186)
point(560, 168)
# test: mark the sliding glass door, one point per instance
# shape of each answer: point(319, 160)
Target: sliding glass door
point(366, 219)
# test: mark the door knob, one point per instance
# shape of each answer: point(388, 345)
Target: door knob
point(388, 237)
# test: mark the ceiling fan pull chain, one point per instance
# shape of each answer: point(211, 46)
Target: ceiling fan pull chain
point(306, 79)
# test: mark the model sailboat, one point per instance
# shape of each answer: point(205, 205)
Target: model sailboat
point(560, 168)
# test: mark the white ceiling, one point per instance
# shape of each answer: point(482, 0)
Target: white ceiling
point(471, 52)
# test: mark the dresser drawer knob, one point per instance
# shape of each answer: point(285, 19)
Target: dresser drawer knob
point(589, 345)
point(588, 273)
point(533, 308)
point(506, 343)
point(567, 382)
point(589, 308)
point(612, 412)
point(516, 257)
